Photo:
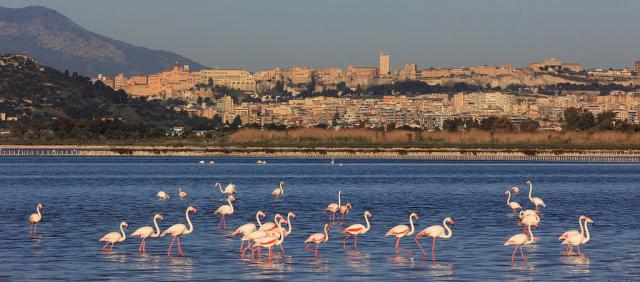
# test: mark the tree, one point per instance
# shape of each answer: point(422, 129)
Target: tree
point(606, 120)
point(216, 122)
point(529, 125)
point(236, 123)
point(336, 118)
point(578, 119)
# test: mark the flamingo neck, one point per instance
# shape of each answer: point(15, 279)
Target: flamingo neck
point(190, 229)
point(219, 187)
point(508, 197)
point(339, 198)
point(38, 211)
point(326, 233)
point(230, 204)
point(366, 219)
point(412, 227)
point(530, 190)
point(258, 219)
point(586, 228)
point(282, 187)
point(531, 234)
point(448, 234)
point(281, 232)
point(124, 235)
point(289, 221)
point(581, 227)
point(155, 224)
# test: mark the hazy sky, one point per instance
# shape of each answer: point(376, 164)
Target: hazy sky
point(267, 33)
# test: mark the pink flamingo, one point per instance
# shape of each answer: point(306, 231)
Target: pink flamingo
point(333, 207)
point(246, 229)
point(513, 205)
point(344, 210)
point(519, 240)
point(178, 230)
point(146, 232)
point(270, 240)
point(402, 230)
point(535, 200)
point(114, 237)
point(355, 230)
point(254, 236)
point(578, 239)
point(435, 231)
point(34, 219)
point(279, 191)
point(317, 238)
point(224, 210)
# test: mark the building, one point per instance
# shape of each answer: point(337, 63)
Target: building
point(230, 78)
point(225, 104)
point(554, 64)
point(384, 64)
point(623, 73)
point(298, 75)
point(408, 72)
point(638, 68)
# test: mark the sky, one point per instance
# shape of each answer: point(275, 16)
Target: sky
point(267, 33)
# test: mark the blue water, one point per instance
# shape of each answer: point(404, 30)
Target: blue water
point(85, 198)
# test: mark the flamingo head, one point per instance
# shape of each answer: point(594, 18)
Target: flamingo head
point(451, 221)
point(292, 214)
point(160, 217)
point(367, 214)
point(588, 220)
point(124, 224)
point(507, 192)
point(192, 209)
point(261, 214)
point(413, 214)
point(217, 184)
point(528, 182)
point(521, 214)
point(40, 206)
point(231, 198)
point(281, 183)
point(515, 189)
point(348, 205)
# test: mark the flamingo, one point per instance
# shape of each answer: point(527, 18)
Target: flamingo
point(231, 198)
point(355, 230)
point(263, 230)
point(182, 194)
point(333, 207)
point(178, 230)
point(344, 210)
point(146, 232)
point(515, 190)
point(224, 210)
point(402, 230)
point(519, 240)
point(162, 195)
point(317, 238)
point(570, 233)
point(34, 219)
point(513, 205)
point(279, 191)
point(288, 231)
point(579, 239)
point(535, 200)
point(271, 240)
point(114, 237)
point(435, 231)
point(246, 229)
point(230, 189)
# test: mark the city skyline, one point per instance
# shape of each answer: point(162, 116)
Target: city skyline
point(487, 32)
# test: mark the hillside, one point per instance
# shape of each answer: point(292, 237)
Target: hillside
point(56, 41)
point(34, 92)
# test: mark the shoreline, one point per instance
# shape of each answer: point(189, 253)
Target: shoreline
point(578, 155)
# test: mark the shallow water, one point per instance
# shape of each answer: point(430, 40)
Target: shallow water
point(87, 197)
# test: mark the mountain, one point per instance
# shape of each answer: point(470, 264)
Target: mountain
point(72, 106)
point(56, 41)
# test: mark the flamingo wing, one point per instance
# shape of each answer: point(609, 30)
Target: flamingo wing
point(110, 237)
point(568, 234)
point(315, 238)
point(517, 239)
point(354, 229)
point(175, 230)
point(144, 231)
point(333, 207)
point(398, 230)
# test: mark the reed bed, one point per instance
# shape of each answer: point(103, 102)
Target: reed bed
point(400, 138)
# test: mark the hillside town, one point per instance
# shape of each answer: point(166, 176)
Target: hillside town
point(426, 111)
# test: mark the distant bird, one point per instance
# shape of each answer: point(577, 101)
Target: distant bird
point(519, 240)
point(162, 195)
point(402, 230)
point(317, 238)
point(355, 230)
point(279, 191)
point(333, 207)
point(513, 205)
point(114, 237)
point(34, 219)
point(344, 210)
point(224, 210)
point(576, 240)
point(229, 190)
point(537, 202)
point(435, 231)
point(146, 232)
point(182, 194)
point(270, 240)
point(515, 190)
point(178, 230)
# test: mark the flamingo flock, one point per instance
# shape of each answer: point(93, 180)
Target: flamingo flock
point(272, 234)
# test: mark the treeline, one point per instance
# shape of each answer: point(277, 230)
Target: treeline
point(583, 120)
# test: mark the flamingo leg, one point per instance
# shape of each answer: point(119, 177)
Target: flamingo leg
point(270, 253)
point(342, 218)
point(570, 250)
point(282, 250)
point(433, 249)
point(35, 230)
point(224, 223)
point(104, 248)
point(397, 244)
point(140, 247)
point(344, 241)
point(421, 248)
point(513, 255)
point(316, 252)
point(522, 253)
point(180, 249)
point(333, 217)
point(355, 242)
point(579, 253)
point(170, 246)
point(306, 247)
point(111, 249)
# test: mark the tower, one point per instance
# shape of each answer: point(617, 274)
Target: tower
point(384, 64)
